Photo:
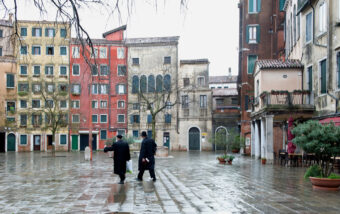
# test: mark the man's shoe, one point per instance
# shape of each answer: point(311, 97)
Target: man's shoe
point(138, 179)
point(121, 182)
point(154, 179)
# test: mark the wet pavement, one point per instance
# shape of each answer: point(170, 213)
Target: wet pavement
point(190, 182)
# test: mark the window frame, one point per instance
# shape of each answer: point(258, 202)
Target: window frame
point(251, 55)
point(22, 135)
point(101, 118)
point(33, 48)
point(96, 104)
point(75, 101)
point(36, 101)
point(7, 85)
point(101, 51)
point(66, 140)
point(123, 104)
point(198, 82)
point(21, 34)
point(135, 61)
point(167, 60)
point(21, 48)
point(66, 104)
point(103, 101)
point(48, 71)
point(33, 72)
point(73, 87)
point(311, 26)
point(119, 51)
point(75, 52)
point(21, 107)
point(118, 69)
point(101, 135)
point(73, 118)
point(96, 116)
point(205, 101)
point(47, 48)
point(60, 52)
point(77, 65)
point(118, 118)
point(20, 67)
point(60, 74)
point(100, 69)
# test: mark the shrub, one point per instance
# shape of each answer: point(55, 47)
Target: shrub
point(313, 171)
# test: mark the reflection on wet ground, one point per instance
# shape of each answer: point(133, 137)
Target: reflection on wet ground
point(190, 182)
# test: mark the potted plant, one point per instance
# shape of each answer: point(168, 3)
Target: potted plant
point(238, 143)
point(109, 142)
point(263, 161)
point(230, 159)
point(324, 141)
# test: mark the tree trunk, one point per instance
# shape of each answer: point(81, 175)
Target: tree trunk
point(53, 143)
point(154, 127)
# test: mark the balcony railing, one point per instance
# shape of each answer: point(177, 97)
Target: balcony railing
point(288, 99)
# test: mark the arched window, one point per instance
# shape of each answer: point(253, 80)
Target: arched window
point(143, 84)
point(167, 82)
point(135, 84)
point(294, 24)
point(159, 83)
point(151, 83)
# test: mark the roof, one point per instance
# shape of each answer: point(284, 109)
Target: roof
point(278, 64)
point(218, 92)
point(97, 42)
point(222, 79)
point(152, 40)
point(6, 23)
point(114, 30)
point(44, 22)
point(194, 61)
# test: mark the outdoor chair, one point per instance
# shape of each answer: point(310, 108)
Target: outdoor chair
point(283, 156)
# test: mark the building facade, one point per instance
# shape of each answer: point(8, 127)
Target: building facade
point(194, 116)
point(98, 99)
point(153, 83)
point(261, 36)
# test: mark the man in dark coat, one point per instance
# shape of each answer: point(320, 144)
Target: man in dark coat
point(121, 154)
point(146, 157)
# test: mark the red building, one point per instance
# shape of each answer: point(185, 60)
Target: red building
point(98, 90)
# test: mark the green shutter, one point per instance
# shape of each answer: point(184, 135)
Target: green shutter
point(310, 78)
point(149, 118)
point(46, 32)
point(247, 34)
point(53, 32)
point(10, 80)
point(246, 100)
point(258, 33)
point(258, 5)
point(33, 31)
point(131, 119)
point(250, 5)
point(338, 68)
point(323, 77)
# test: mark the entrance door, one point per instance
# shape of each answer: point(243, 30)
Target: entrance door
point(220, 139)
point(49, 142)
point(166, 139)
point(10, 142)
point(2, 141)
point(194, 139)
point(74, 142)
point(36, 140)
point(84, 141)
point(94, 142)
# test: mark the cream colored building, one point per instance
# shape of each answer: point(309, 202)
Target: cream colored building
point(42, 52)
point(195, 118)
point(153, 68)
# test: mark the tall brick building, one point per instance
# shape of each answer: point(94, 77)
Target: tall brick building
point(261, 36)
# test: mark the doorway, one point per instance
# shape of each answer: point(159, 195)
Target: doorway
point(10, 142)
point(49, 142)
point(74, 142)
point(37, 142)
point(166, 139)
point(2, 142)
point(84, 141)
point(194, 139)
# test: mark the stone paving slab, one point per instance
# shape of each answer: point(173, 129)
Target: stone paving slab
point(188, 182)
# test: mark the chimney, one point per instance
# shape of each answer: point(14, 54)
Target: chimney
point(10, 17)
point(229, 71)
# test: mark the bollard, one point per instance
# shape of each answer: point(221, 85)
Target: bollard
point(87, 153)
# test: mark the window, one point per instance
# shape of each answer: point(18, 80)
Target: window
point(23, 50)
point(63, 33)
point(121, 104)
point(75, 118)
point(49, 104)
point(0, 51)
point(63, 70)
point(254, 6)
point(121, 132)
point(75, 89)
point(338, 68)
point(23, 31)
point(23, 139)
point(103, 134)
point(104, 71)
point(120, 53)
point(135, 84)
point(103, 104)
point(23, 87)
point(168, 105)
point(49, 70)
point(94, 89)
point(149, 119)
point(36, 50)
point(63, 139)
point(75, 103)
point(185, 101)
point(294, 21)
point(298, 26)
point(36, 88)
point(257, 89)
point(203, 101)
point(121, 118)
point(35, 103)
point(135, 106)
point(36, 32)
point(23, 70)
point(104, 89)
point(151, 83)
point(282, 4)
point(167, 118)
point(120, 88)
point(251, 63)
point(94, 118)
point(10, 106)
point(75, 70)
point(246, 102)
point(134, 118)
point(75, 52)
point(49, 87)
point(63, 103)
point(103, 52)
point(135, 61)
point(167, 82)
point(309, 27)
point(167, 60)
point(10, 80)
point(23, 120)
point(200, 81)
point(49, 50)
point(186, 82)
point(253, 34)
point(1, 34)
point(94, 52)
point(143, 84)
point(94, 104)
point(234, 101)
point(310, 78)
point(135, 133)
point(103, 118)
point(219, 102)
point(322, 18)
point(63, 50)
point(23, 103)
point(94, 70)
point(159, 83)
point(36, 119)
point(121, 70)
point(36, 70)
point(49, 32)
point(323, 79)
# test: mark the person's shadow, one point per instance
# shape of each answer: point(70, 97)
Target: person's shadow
point(118, 193)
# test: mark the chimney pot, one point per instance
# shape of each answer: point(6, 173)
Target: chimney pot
point(10, 17)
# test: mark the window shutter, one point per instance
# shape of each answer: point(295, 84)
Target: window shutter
point(149, 118)
point(53, 32)
point(33, 31)
point(117, 89)
point(338, 63)
point(258, 33)
point(32, 119)
point(46, 32)
point(40, 30)
point(247, 34)
point(323, 77)
point(251, 5)
point(310, 78)
point(131, 119)
point(246, 100)
point(258, 5)
point(137, 118)
point(32, 50)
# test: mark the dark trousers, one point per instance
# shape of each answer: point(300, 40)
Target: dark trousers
point(122, 176)
point(151, 171)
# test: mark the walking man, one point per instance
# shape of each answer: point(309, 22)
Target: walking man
point(121, 154)
point(146, 157)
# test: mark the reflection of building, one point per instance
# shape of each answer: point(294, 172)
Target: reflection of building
point(153, 70)
point(8, 87)
point(223, 81)
point(43, 70)
point(195, 105)
point(98, 91)
point(226, 110)
point(279, 95)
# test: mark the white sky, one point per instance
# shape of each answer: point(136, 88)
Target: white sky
point(206, 30)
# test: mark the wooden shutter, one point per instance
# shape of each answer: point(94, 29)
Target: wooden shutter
point(258, 33)
point(149, 118)
point(246, 101)
point(258, 5)
point(247, 34)
point(310, 78)
point(338, 68)
point(323, 77)
point(251, 5)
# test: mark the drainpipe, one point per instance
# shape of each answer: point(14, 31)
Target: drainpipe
point(109, 92)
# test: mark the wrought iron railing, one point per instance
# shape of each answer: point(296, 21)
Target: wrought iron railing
point(286, 99)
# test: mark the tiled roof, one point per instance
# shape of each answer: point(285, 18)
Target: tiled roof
point(152, 40)
point(222, 79)
point(275, 63)
point(194, 61)
point(114, 30)
point(97, 41)
point(224, 92)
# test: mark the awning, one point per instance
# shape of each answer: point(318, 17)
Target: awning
point(336, 120)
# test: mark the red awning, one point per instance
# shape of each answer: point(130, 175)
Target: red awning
point(336, 120)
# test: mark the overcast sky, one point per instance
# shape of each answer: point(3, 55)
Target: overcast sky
point(207, 29)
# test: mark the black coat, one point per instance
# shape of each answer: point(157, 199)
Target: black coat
point(121, 154)
point(147, 150)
